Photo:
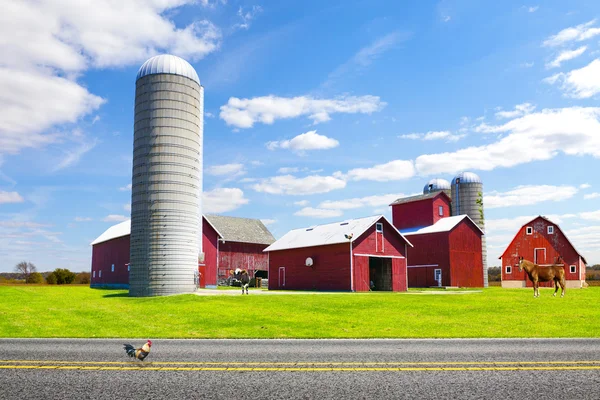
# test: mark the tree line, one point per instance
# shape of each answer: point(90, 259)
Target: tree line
point(27, 271)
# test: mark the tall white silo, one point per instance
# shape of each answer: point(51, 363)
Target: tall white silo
point(438, 185)
point(166, 189)
point(467, 198)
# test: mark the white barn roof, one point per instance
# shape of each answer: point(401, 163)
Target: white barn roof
point(167, 64)
point(115, 231)
point(327, 234)
point(442, 225)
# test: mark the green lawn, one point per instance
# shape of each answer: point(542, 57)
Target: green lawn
point(63, 311)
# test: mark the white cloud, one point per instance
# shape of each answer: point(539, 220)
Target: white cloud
point(590, 215)
point(301, 203)
point(268, 222)
point(288, 170)
point(310, 140)
point(391, 171)
point(231, 170)
point(591, 196)
point(222, 200)
point(83, 219)
point(433, 135)
point(572, 131)
point(244, 113)
point(447, 18)
point(566, 55)
point(290, 185)
point(10, 197)
point(585, 186)
point(579, 83)
point(527, 64)
point(527, 195)
point(532, 9)
point(577, 33)
point(72, 156)
point(247, 16)
point(318, 213)
point(520, 110)
point(360, 202)
point(125, 188)
point(115, 218)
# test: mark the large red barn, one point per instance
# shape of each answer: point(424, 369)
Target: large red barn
point(341, 256)
point(228, 243)
point(543, 242)
point(447, 253)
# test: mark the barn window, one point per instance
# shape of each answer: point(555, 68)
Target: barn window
point(550, 230)
point(128, 268)
point(441, 211)
point(529, 230)
point(100, 274)
point(508, 269)
point(93, 274)
point(573, 269)
point(379, 227)
point(112, 268)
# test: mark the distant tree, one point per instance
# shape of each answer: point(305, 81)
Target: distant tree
point(25, 268)
point(494, 274)
point(61, 276)
point(83, 278)
point(35, 277)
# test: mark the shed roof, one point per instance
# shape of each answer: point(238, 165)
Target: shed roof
point(245, 230)
point(442, 225)
point(326, 234)
point(230, 229)
point(419, 197)
point(556, 227)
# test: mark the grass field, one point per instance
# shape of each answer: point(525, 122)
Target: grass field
point(78, 311)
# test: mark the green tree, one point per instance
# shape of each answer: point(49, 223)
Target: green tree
point(51, 279)
point(25, 268)
point(35, 277)
point(61, 276)
point(83, 278)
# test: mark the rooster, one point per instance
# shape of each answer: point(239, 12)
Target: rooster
point(140, 353)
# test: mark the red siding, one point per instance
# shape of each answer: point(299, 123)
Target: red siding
point(247, 256)
point(331, 268)
point(430, 252)
point(420, 213)
point(104, 255)
point(209, 246)
point(555, 244)
point(466, 264)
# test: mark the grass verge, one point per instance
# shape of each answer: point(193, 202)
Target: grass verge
point(62, 311)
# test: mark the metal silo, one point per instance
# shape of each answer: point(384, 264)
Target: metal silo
point(166, 224)
point(438, 185)
point(467, 198)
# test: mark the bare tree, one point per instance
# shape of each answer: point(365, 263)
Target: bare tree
point(25, 268)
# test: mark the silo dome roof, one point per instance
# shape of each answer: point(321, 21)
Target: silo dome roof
point(168, 64)
point(468, 177)
point(436, 184)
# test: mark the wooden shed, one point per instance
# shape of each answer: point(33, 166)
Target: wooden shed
point(543, 242)
point(228, 243)
point(354, 255)
point(421, 210)
point(447, 253)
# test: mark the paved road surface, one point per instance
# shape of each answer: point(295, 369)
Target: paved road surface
point(302, 369)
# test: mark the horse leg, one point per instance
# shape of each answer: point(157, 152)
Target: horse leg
point(562, 285)
point(555, 287)
point(536, 289)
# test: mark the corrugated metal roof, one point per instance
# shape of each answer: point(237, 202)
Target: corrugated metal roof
point(245, 230)
point(230, 229)
point(115, 231)
point(319, 235)
point(167, 64)
point(418, 197)
point(467, 177)
point(436, 184)
point(442, 225)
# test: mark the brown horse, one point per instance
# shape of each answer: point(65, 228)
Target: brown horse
point(539, 274)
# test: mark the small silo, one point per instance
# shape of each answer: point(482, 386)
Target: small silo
point(467, 198)
point(166, 224)
point(438, 185)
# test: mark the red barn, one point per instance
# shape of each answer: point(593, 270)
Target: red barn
point(447, 253)
point(353, 255)
point(421, 210)
point(228, 243)
point(543, 242)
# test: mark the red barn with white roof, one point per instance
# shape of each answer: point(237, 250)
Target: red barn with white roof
point(543, 242)
point(341, 256)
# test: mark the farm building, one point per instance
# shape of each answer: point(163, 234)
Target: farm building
point(421, 210)
point(447, 253)
point(228, 243)
point(341, 256)
point(543, 242)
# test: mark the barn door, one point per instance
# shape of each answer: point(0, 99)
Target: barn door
point(281, 277)
point(540, 256)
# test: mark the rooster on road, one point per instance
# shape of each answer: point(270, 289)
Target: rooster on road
point(140, 353)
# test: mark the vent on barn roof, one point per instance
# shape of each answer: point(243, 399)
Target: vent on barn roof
point(344, 223)
point(310, 228)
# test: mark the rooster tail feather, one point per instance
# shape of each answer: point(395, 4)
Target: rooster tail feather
point(129, 349)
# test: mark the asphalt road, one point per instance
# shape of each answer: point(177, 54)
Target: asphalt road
point(302, 369)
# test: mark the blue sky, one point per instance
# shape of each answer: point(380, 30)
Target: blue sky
point(313, 113)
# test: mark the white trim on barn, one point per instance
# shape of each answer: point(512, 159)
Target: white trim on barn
point(377, 256)
point(422, 266)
